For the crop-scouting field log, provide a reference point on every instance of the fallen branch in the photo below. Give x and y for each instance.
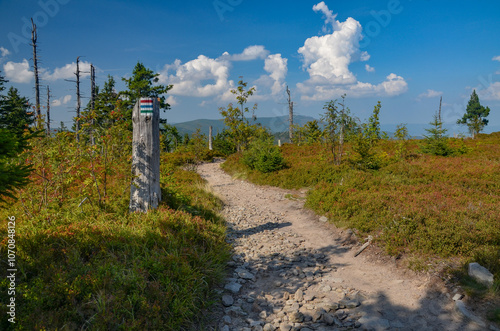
(366, 244)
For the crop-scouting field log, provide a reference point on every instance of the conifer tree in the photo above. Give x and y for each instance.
(436, 142)
(142, 84)
(475, 115)
(14, 121)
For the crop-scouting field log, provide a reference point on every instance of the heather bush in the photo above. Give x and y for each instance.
(85, 262)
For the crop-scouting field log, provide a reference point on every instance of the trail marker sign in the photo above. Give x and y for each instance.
(145, 192)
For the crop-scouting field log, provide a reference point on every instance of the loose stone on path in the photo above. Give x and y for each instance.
(279, 280)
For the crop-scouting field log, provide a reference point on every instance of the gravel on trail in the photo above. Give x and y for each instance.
(292, 270)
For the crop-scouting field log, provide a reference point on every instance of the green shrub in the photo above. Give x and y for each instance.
(263, 156)
(89, 263)
(223, 143)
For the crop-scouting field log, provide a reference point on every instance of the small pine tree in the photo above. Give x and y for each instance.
(475, 115)
(364, 141)
(436, 143)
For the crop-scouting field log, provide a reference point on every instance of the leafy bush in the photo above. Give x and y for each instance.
(223, 143)
(84, 262)
(428, 205)
(263, 156)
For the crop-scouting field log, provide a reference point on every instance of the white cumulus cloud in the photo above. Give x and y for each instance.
(61, 101)
(327, 58)
(369, 69)
(4, 52)
(250, 53)
(429, 94)
(393, 85)
(67, 72)
(171, 100)
(276, 66)
(18, 72)
(491, 93)
(201, 77)
(496, 58)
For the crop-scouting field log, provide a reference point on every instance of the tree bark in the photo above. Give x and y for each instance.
(210, 147)
(34, 37)
(290, 116)
(145, 192)
(78, 99)
(48, 111)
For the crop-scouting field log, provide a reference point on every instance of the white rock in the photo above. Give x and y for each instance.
(481, 274)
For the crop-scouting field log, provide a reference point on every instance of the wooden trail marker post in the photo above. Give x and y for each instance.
(145, 190)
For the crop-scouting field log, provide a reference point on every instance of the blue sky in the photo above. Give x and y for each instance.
(404, 53)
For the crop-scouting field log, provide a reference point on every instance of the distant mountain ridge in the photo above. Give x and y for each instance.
(280, 124)
(274, 124)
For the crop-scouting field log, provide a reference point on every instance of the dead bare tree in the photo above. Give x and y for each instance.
(34, 37)
(92, 101)
(48, 110)
(290, 115)
(78, 99)
(440, 103)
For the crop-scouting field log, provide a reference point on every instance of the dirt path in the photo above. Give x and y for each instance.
(294, 272)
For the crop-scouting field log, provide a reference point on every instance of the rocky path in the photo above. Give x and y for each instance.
(291, 271)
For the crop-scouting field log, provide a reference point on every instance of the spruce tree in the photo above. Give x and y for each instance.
(14, 122)
(15, 113)
(436, 142)
(475, 115)
(142, 84)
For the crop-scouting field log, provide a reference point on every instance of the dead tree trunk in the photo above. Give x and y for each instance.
(78, 99)
(92, 103)
(290, 115)
(34, 37)
(145, 190)
(48, 111)
(439, 114)
(210, 147)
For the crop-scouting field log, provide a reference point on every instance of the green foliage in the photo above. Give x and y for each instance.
(475, 115)
(263, 155)
(85, 262)
(142, 84)
(402, 137)
(339, 126)
(373, 128)
(436, 143)
(309, 134)
(105, 109)
(198, 145)
(15, 122)
(364, 142)
(223, 143)
(15, 113)
(425, 206)
(234, 117)
(14, 172)
(170, 137)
